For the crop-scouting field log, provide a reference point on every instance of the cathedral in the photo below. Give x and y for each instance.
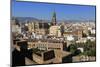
(53, 22)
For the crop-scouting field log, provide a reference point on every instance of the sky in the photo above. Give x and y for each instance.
(45, 10)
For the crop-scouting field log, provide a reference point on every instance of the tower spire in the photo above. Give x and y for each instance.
(53, 22)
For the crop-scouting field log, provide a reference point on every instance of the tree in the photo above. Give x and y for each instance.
(17, 22)
(84, 35)
(89, 32)
(77, 52)
(73, 48)
(91, 52)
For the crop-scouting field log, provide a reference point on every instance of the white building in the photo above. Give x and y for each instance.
(91, 38)
(16, 29)
(70, 38)
(92, 31)
(82, 40)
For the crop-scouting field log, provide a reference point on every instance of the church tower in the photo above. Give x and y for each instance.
(53, 22)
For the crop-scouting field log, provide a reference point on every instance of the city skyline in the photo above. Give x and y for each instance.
(36, 41)
(45, 10)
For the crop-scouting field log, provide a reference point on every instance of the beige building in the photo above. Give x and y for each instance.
(15, 27)
(83, 58)
(40, 28)
(46, 45)
(55, 31)
(41, 31)
(76, 33)
(31, 26)
(85, 30)
(51, 56)
(44, 57)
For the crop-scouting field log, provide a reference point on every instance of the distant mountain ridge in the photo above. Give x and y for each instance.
(24, 19)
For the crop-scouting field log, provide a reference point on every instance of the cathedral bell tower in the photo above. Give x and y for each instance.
(53, 22)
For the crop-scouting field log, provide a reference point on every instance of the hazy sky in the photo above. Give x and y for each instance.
(45, 10)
